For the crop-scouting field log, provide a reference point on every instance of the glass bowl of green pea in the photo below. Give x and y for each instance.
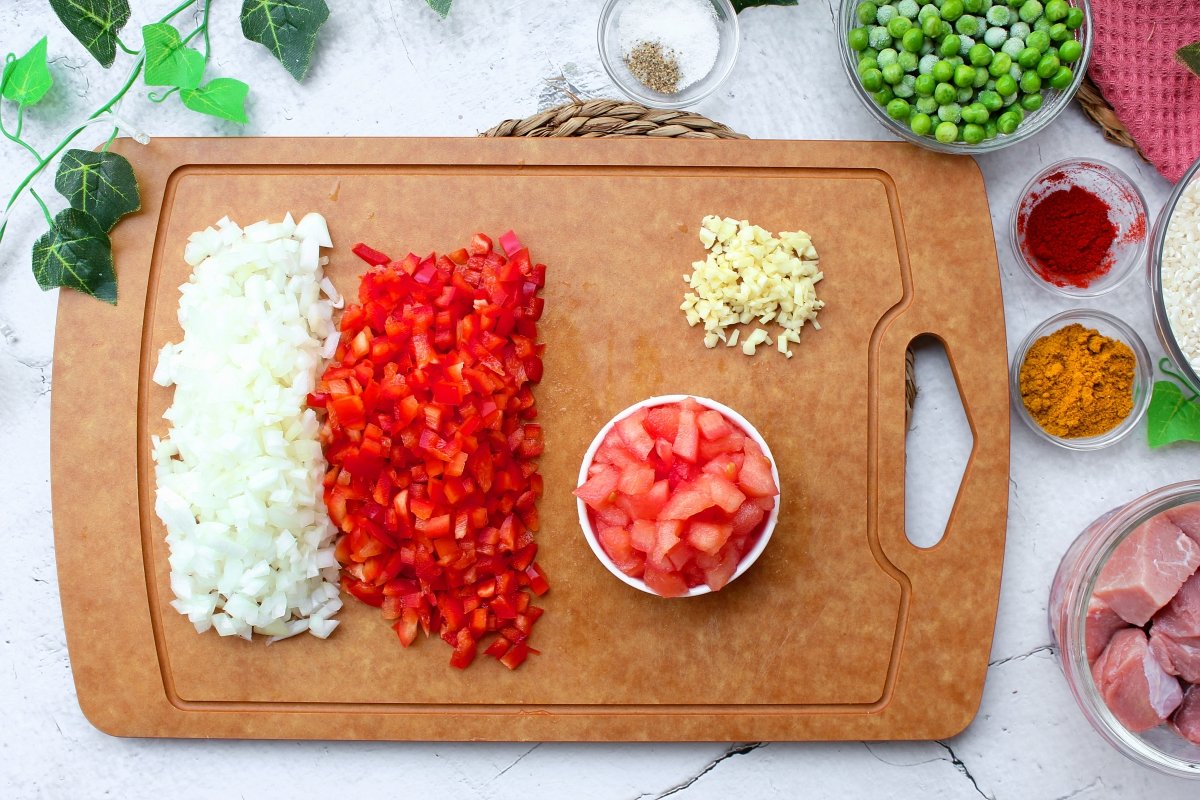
(965, 76)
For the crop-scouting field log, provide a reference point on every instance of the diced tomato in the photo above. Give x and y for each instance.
(755, 477)
(747, 517)
(665, 584)
(636, 479)
(431, 441)
(662, 422)
(598, 489)
(687, 440)
(713, 426)
(723, 492)
(708, 537)
(688, 500)
(643, 535)
(634, 434)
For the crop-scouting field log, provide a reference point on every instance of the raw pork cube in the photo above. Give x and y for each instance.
(1186, 721)
(1175, 635)
(1136, 689)
(1147, 569)
(1187, 518)
(1102, 623)
(1178, 656)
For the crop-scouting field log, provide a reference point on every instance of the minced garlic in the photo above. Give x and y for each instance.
(752, 275)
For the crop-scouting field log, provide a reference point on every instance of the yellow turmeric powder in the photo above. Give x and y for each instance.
(1077, 383)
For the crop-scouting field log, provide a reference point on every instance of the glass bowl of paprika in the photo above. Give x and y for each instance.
(1079, 227)
(1074, 351)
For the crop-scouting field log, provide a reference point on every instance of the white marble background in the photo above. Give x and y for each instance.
(391, 67)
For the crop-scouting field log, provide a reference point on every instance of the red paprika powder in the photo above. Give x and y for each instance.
(1070, 237)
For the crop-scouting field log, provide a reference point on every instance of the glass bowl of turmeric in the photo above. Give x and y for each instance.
(1082, 379)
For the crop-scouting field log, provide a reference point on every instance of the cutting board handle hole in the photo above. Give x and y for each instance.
(937, 447)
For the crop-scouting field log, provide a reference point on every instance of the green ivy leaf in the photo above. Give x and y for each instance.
(76, 253)
(741, 5)
(288, 28)
(220, 97)
(1189, 56)
(442, 7)
(27, 79)
(95, 23)
(169, 62)
(1172, 417)
(99, 184)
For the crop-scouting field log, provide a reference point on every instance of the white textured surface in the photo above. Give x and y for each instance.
(393, 68)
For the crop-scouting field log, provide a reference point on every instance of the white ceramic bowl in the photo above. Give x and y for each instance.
(589, 531)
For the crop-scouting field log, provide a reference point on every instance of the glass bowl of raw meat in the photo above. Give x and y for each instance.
(1125, 615)
(678, 495)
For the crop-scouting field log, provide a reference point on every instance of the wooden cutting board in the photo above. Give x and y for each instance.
(842, 630)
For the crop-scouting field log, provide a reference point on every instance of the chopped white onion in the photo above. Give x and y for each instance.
(240, 473)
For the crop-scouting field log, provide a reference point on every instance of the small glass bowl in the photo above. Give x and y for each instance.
(1110, 326)
(1072, 588)
(1056, 100)
(589, 531)
(1161, 322)
(609, 40)
(1127, 211)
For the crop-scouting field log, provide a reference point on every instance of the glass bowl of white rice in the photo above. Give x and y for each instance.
(1175, 276)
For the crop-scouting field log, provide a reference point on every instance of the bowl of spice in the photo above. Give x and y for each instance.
(1082, 379)
(1079, 227)
(668, 53)
(965, 76)
(1175, 276)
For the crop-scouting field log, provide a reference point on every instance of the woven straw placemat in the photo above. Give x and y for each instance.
(612, 118)
(1100, 112)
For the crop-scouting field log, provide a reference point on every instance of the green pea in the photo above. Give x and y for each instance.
(990, 130)
(885, 14)
(884, 96)
(965, 95)
(975, 112)
(1005, 85)
(1031, 10)
(912, 39)
(1047, 66)
(920, 124)
(1029, 58)
(1062, 78)
(898, 109)
(949, 44)
(973, 6)
(1020, 112)
(932, 27)
(887, 56)
(1008, 122)
(981, 78)
(1074, 18)
(905, 88)
(943, 72)
(1042, 24)
(944, 94)
(1030, 82)
(991, 100)
(926, 12)
(963, 76)
(952, 10)
(870, 52)
(980, 55)
(865, 63)
(1040, 40)
(894, 73)
(1031, 102)
(927, 105)
(879, 37)
(1057, 9)
(1070, 51)
(946, 132)
(967, 25)
(898, 26)
(1001, 64)
(972, 133)
(1014, 3)
(908, 61)
(950, 113)
(1059, 32)
(872, 79)
(857, 39)
(866, 12)
(925, 85)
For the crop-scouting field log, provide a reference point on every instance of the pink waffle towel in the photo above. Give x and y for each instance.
(1133, 64)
